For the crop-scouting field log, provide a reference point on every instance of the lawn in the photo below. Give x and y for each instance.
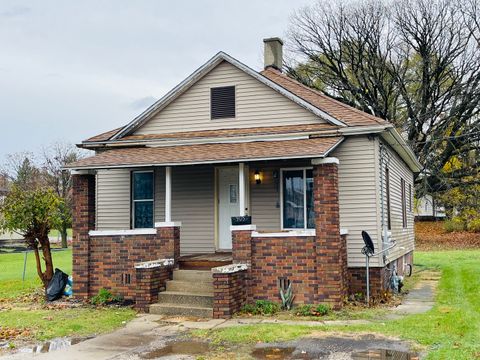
(11, 269)
(43, 322)
(451, 330)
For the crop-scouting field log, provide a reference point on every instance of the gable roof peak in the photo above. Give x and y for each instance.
(200, 73)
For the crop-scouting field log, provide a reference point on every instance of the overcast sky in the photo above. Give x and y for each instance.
(73, 69)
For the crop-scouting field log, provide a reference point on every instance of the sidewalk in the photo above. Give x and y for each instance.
(155, 331)
(137, 333)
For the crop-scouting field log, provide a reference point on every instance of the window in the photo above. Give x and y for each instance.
(297, 199)
(404, 203)
(222, 102)
(142, 196)
(410, 198)
(387, 186)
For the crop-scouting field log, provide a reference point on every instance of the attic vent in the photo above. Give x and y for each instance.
(222, 102)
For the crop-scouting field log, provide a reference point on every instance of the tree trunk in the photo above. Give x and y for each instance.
(39, 265)
(64, 234)
(47, 257)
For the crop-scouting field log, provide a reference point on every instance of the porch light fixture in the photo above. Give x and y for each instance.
(258, 178)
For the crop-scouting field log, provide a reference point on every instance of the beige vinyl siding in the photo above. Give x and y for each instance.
(403, 236)
(256, 105)
(265, 200)
(193, 204)
(159, 194)
(113, 199)
(357, 193)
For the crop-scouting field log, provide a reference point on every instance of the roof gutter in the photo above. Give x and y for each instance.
(226, 161)
(396, 141)
(347, 131)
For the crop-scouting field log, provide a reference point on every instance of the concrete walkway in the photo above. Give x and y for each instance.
(139, 332)
(420, 299)
(148, 332)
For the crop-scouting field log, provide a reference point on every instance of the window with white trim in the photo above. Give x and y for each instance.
(142, 199)
(297, 199)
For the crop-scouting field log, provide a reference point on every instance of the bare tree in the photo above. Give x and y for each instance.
(55, 157)
(413, 62)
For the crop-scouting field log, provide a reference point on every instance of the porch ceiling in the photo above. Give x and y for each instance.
(209, 153)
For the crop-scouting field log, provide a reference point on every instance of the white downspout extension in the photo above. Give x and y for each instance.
(168, 194)
(241, 188)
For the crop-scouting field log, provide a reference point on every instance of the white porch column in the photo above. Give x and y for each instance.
(168, 194)
(241, 187)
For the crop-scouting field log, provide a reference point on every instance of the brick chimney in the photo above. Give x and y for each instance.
(273, 53)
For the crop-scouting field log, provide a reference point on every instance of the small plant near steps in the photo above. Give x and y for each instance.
(189, 293)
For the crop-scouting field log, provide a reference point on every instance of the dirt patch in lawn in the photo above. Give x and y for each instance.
(430, 235)
(9, 333)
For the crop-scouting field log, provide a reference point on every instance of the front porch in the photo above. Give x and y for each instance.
(297, 239)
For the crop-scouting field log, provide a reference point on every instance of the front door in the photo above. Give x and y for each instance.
(228, 204)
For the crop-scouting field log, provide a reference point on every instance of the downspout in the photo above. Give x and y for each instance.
(384, 161)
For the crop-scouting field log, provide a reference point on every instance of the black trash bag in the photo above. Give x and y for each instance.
(56, 286)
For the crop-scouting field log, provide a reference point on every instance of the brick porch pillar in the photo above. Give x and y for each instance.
(83, 195)
(331, 247)
(242, 251)
(169, 235)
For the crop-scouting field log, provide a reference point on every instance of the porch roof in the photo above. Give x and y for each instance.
(209, 153)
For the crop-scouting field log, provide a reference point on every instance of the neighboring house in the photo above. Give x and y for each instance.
(427, 209)
(229, 141)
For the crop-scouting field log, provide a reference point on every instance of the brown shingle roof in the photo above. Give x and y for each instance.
(205, 153)
(343, 112)
(272, 130)
(103, 136)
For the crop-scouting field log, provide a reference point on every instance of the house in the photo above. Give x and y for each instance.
(300, 173)
(3, 187)
(427, 209)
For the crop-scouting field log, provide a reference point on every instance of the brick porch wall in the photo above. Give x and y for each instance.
(290, 257)
(113, 259)
(108, 261)
(229, 293)
(315, 265)
(150, 281)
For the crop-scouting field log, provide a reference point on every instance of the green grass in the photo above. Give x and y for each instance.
(11, 269)
(451, 330)
(48, 324)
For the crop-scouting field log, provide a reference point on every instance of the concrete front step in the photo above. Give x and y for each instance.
(182, 298)
(191, 287)
(193, 275)
(181, 310)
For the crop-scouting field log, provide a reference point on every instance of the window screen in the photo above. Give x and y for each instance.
(222, 102)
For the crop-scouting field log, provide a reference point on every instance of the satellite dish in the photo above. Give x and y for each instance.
(368, 243)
